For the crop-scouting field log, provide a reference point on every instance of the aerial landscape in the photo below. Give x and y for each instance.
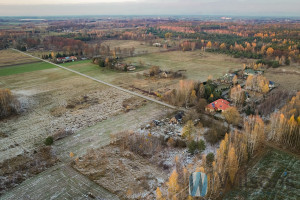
(136, 99)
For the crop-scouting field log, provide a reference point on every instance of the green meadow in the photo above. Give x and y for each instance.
(19, 69)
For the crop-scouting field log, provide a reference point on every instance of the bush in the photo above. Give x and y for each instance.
(210, 159)
(201, 104)
(196, 146)
(143, 145)
(49, 141)
(8, 103)
(215, 134)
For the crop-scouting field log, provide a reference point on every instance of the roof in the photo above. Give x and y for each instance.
(220, 104)
(249, 71)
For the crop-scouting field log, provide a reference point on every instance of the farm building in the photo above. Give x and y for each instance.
(218, 105)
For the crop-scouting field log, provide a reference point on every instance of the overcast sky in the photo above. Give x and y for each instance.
(150, 7)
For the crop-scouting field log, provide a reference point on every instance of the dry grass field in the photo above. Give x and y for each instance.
(10, 57)
(199, 64)
(58, 182)
(55, 99)
(46, 94)
(140, 47)
(287, 77)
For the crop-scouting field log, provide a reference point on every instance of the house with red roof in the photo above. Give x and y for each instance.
(218, 105)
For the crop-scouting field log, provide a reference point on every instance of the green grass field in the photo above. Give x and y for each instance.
(19, 69)
(275, 176)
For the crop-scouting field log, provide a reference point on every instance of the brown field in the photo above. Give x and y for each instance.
(46, 95)
(10, 57)
(199, 64)
(58, 182)
(287, 77)
(55, 99)
(140, 47)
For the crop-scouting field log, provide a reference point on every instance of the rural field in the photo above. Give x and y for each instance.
(53, 99)
(140, 47)
(275, 176)
(287, 77)
(199, 64)
(10, 58)
(58, 182)
(22, 68)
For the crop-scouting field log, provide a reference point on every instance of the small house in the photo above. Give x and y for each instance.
(248, 72)
(73, 58)
(218, 105)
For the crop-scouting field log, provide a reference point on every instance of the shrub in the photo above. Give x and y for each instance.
(201, 104)
(143, 145)
(8, 103)
(196, 146)
(190, 115)
(154, 70)
(49, 141)
(180, 143)
(215, 134)
(210, 159)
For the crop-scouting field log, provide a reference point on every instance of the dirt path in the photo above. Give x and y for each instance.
(108, 84)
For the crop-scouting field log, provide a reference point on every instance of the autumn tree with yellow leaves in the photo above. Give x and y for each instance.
(270, 51)
(257, 83)
(209, 44)
(233, 164)
(237, 96)
(232, 115)
(173, 186)
(254, 130)
(284, 127)
(188, 130)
